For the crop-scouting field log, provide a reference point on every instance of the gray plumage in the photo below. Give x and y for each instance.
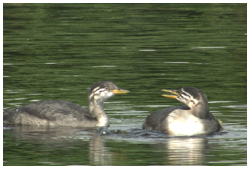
(64, 113)
(193, 119)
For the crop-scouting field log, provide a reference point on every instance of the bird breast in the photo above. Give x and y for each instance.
(184, 124)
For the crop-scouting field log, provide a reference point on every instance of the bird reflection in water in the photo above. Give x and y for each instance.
(99, 154)
(186, 151)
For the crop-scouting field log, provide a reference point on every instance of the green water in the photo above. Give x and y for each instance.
(58, 51)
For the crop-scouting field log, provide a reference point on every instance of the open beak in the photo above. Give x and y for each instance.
(170, 91)
(120, 91)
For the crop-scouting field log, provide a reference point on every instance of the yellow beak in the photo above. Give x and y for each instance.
(120, 91)
(170, 96)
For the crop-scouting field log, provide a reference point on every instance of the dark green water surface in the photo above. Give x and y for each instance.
(58, 51)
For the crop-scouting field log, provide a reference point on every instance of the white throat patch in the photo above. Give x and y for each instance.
(102, 121)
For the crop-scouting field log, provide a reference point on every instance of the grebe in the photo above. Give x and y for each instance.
(64, 113)
(193, 119)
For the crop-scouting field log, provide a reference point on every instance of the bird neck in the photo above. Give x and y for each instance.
(201, 110)
(96, 110)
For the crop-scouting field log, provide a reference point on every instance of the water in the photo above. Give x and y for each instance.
(57, 51)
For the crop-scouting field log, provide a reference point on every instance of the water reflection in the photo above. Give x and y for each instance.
(145, 47)
(170, 150)
(186, 151)
(44, 134)
(93, 147)
(64, 137)
(98, 153)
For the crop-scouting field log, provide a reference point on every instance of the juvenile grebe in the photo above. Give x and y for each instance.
(193, 119)
(63, 113)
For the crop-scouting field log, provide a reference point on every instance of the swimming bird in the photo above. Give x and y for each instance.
(192, 119)
(64, 113)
